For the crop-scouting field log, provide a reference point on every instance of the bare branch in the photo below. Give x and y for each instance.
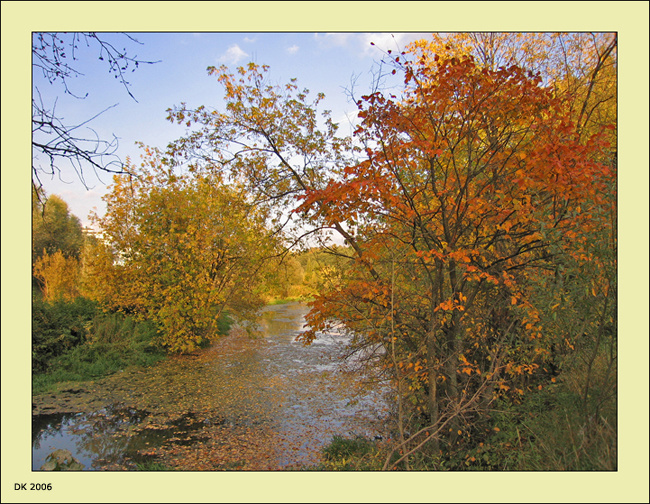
(56, 55)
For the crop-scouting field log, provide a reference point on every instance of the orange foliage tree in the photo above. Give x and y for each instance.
(473, 189)
(580, 69)
(473, 183)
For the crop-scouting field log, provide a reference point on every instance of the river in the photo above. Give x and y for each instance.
(264, 403)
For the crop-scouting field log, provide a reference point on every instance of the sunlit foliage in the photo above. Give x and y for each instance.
(478, 186)
(58, 276)
(184, 248)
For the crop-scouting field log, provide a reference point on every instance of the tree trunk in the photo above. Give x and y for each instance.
(432, 405)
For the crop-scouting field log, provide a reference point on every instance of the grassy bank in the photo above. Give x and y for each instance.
(551, 430)
(76, 341)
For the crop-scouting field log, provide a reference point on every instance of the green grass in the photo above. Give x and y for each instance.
(76, 341)
(351, 454)
(92, 361)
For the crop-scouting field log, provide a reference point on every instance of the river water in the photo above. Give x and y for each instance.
(264, 403)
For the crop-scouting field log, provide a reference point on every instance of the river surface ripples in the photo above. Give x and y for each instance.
(264, 403)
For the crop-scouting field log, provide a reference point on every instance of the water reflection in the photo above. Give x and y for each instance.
(241, 394)
(94, 439)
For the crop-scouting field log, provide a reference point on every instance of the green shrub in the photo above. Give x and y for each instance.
(58, 327)
(547, 431)
(351, 454)
(103, 343)
(571, 435)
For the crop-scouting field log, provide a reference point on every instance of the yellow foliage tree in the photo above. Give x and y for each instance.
(96, 263)
(57, 275)
(179, 249)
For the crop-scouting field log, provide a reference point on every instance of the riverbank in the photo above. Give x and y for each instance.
(165, 414)
(266, 403)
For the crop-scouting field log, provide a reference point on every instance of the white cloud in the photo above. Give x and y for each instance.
(382, 42)
(362, 41)
(233, 55)
(332, 39)
(249, 40)
(293, 49)
(387, 41)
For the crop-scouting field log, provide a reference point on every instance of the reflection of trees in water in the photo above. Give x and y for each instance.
(103, 435)
(282, 319)
(44, 426)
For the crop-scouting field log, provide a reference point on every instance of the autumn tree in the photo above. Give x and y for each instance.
(474, 182)
(57, 275)
(466, 192)
(284, 278)
(179, 249)
(580, 69)
(271, 138)
(57, 242)
(54, 227)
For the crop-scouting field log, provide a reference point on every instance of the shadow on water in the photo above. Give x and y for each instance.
(244, 401)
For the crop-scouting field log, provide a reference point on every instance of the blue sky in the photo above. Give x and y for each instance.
(322, 62)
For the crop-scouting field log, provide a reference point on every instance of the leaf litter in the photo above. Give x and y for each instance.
(255, 404)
